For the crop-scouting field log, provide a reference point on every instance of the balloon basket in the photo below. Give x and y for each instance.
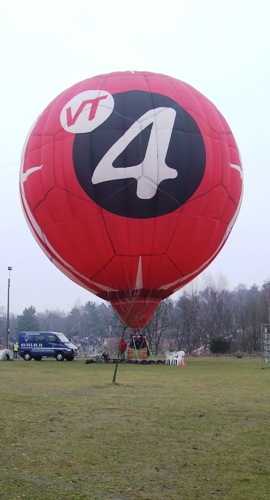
(136, 353)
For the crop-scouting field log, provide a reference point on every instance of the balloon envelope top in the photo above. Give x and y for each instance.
(131, 183)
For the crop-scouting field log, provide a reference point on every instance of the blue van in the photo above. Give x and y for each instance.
(49, 344)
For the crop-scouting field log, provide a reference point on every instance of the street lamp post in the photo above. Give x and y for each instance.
(8, 294)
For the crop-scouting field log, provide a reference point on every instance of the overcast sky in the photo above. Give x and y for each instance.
(220, 48)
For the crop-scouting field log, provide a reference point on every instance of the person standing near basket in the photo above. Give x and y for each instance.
(122, 349)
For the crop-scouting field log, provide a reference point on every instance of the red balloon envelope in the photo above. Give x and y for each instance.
(131, 183)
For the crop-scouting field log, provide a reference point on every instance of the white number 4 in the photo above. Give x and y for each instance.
(153, 169)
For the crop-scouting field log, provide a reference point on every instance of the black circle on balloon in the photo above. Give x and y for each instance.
(185, 153)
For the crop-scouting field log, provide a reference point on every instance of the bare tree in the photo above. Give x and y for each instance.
(187, 322)
(158, 324)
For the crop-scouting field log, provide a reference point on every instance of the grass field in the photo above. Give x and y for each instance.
(162, 433)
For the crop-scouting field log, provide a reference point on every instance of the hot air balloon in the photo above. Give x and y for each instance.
(131, 183)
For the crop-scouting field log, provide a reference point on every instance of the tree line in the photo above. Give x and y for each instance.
(195, 320)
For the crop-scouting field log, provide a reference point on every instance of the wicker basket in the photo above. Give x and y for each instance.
(136, 353)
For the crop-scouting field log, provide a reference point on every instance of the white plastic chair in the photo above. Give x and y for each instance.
(169, 357)
(177, 359)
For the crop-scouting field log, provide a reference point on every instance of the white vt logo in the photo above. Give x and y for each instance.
(87, 110)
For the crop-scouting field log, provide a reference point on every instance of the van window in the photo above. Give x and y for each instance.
(53, 339)
(39, 338)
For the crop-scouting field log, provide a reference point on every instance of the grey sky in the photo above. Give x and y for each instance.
(220, 48)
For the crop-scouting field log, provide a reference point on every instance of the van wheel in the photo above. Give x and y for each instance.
(27, 356)
(60, 356)
(38, 358)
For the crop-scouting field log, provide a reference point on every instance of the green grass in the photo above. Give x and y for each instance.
(162, 433)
